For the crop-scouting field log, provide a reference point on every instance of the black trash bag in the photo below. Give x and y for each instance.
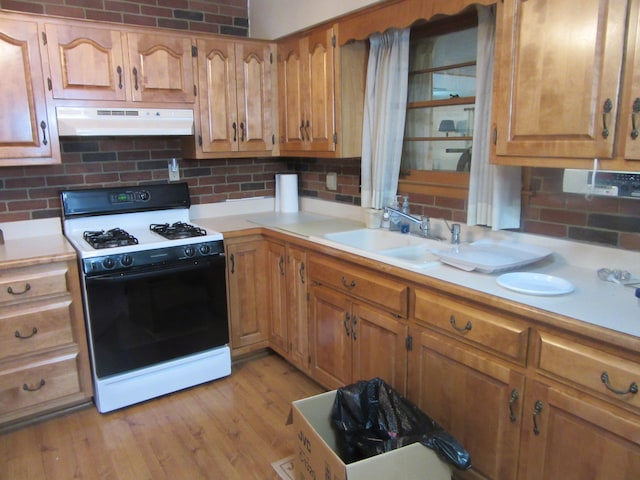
(372, 418)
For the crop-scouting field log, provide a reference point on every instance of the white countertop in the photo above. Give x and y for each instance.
(594, 301)
(29, 239)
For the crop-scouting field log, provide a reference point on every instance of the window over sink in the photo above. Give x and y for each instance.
(438, 135)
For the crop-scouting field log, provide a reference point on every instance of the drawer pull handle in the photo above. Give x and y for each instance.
(512, 401)
(27, 388)
(536, 411)
(301, 271)
(633, 388)
(634, 126)
(24, 337)
(347, 323)
(354, 324)
(466, 328)
(281, 265)
(232, 259)
(348, 285)
(606, 111)
(10, 291)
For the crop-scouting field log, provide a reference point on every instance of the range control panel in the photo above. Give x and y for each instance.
(607, 183)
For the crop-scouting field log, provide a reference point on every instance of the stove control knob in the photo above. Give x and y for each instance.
(126, 260)
(205, 249)
(189, 251)
(108, 262)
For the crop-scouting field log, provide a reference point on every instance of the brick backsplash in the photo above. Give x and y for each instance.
(229, 17)
(34, 191)
(604, 220)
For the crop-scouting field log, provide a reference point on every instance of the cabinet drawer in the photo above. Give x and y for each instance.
(362, 283)
(601, 372)
(20, 284)
(41, 381)
(35, 326)
(505, 336)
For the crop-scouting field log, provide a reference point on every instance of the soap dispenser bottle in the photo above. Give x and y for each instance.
(404, 224)
(394, 225)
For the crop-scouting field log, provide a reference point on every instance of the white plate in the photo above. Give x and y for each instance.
(535, 283)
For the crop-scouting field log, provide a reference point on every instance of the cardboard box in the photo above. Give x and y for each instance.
(316, 457)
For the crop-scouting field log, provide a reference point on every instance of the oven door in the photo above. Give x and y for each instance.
(151, 316)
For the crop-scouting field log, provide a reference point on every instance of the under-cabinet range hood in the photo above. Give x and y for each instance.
(92, 121)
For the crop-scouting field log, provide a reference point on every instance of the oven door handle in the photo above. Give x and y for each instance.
(157, 270)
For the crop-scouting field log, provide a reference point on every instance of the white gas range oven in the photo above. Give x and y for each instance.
(154, 291)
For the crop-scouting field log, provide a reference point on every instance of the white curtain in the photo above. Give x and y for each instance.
(494, 190)
(384, 116)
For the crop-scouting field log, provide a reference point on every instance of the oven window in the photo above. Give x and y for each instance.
(147, 318)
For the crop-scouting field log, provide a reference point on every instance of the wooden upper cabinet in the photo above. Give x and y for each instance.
(254, 96)
(235, 97)
(558, 71)
(161, 68)
(292, 108)
(86, 63)
(320, 118)
(307, 93)
(630, 106)
(93, 63)
(27, 136)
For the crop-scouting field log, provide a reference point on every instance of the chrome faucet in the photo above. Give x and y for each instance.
(421, 221)
(454, 228)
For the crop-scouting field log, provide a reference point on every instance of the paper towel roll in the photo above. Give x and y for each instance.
(286, 192)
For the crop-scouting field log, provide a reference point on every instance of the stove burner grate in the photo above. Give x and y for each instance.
(177, 230)
(116, 237)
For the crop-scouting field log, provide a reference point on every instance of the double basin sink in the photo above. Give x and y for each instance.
(403, 249)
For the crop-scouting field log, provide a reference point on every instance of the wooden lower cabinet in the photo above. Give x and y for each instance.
(288, 320)
(526, 400)
(474, 397)
(247, 293)
(568, 436)
(44, 361)
(352, 341)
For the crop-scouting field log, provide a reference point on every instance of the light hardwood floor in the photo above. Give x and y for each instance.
(232, 428)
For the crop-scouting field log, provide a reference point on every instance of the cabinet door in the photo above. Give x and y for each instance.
(630, 107)
(253, 74)
(298, 327)
(379, 347)
(557, 91)
(320, 117)
(476, 399)
(86, 63)
(277, 285)
(568, 437)
(161, 68)
(331, 337)
(247, 294)
(291, 91)
(217, 95)
(26, 135)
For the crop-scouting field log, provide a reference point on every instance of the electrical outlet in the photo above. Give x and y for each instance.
(174, 170)
(332, 181)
